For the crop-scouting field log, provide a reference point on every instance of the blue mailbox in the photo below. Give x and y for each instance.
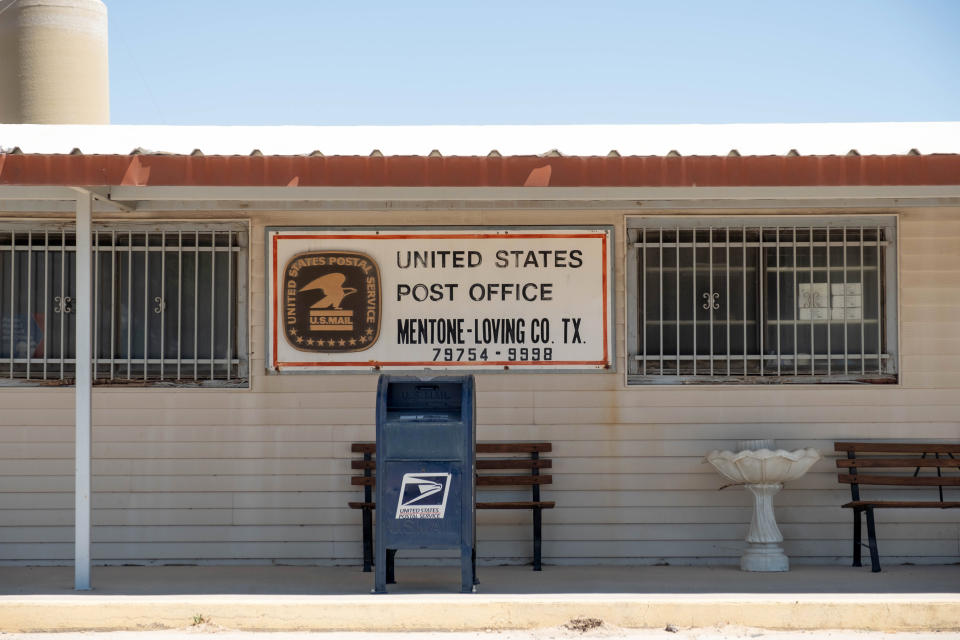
(425, 470)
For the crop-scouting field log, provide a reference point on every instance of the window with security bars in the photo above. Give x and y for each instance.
(785, 300)
(169, 303)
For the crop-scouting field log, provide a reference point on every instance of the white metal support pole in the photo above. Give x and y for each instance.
(84, 308)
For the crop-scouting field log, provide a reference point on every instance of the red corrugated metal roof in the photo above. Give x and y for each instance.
(473, 171)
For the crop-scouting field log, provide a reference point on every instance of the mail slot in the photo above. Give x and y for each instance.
(425, 469)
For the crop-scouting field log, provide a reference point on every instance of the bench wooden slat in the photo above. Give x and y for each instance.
(496, 481)
(901, 504)
(482, 447)
(481, 464)
(482, 481)
(898, 462)
(862, 478)
(514, 464)
(896, 447)
(543, 504)
(514, 447)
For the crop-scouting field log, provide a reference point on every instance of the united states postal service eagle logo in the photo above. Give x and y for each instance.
(331, 301)
(423, 496)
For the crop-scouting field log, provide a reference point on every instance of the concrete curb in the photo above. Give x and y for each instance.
(87, 612)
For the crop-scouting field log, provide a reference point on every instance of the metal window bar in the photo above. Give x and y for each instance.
(796, 305)
(846, 361)
(727, 305)
(743, 239)
(710, 295)
(778, 277)
(37, 299)
(63, 297)
(694, 296)
(229, 306)
(816, 354)
(660, 332)
(813, 339)
(13, 291)
(162, 302)
(96, 300)
(213, 299)
(129, 304)
(677, 252)
(29, 314)
(146, 303)
(46, 298)
(761, 285)
(879, 302)
(196, 298)
(643, 300)
(843, 311)
(179, 300)
(113, 301)
(863, 333)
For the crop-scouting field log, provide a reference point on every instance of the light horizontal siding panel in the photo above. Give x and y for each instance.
(931, 313)
(939, 379)
(911, 244)
(195, 551)
(734, 415)
(929, 331)
(773, 396)
(948, 294)
(705, 436)
(178, 450)
(943, 260)
(937, 365)
(913, 228)
(667, 533)
(922, 345)
(186, 400)
(175, 467)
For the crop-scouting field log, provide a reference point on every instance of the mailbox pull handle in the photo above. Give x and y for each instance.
(427, 387)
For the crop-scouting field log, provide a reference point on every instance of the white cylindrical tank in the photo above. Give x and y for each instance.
(53, 62)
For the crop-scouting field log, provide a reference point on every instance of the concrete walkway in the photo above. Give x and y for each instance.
(901, 598)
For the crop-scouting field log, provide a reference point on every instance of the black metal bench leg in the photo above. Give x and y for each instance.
(872, 538)
(537, 515)
(367, 540)
(391, 555)
(537, 539)
(367, 516)
(474, 561)
(857, 539)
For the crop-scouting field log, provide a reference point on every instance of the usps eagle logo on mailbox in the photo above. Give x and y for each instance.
(423, 496)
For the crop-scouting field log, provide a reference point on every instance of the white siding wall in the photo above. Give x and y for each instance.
(263, 474)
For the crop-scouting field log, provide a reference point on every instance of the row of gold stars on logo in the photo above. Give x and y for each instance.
(331, 343)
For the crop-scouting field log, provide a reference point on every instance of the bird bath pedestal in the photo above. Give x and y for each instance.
(763, 470)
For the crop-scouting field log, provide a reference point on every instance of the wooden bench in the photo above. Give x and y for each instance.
(500, 456)
(893, 464)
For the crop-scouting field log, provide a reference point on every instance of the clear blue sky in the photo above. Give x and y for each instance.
(318, 62)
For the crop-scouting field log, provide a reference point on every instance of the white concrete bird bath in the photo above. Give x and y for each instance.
(763, 470)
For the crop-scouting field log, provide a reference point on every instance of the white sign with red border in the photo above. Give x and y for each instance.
(430, 299)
